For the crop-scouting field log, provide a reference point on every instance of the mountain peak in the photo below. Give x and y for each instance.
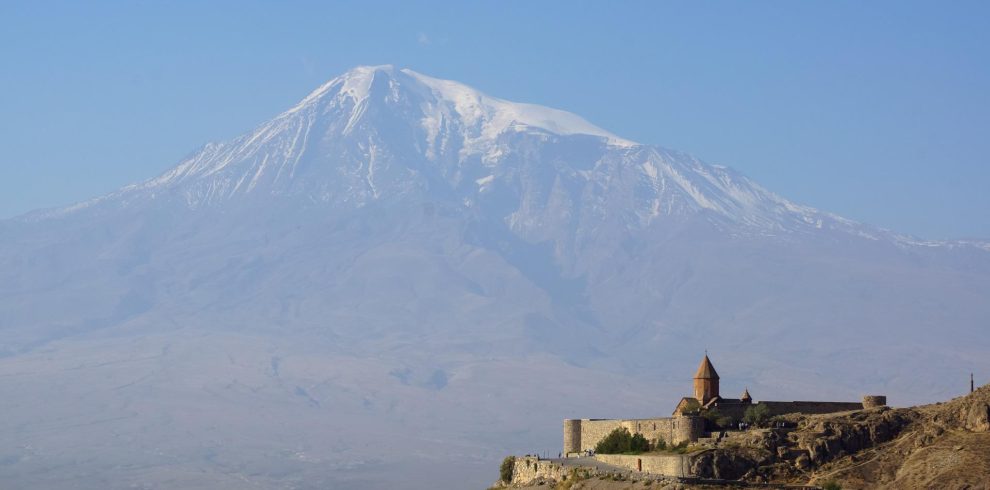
(443, 101)
(355, 82)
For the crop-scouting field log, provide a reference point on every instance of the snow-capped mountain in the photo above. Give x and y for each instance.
(378, 133)
(371, 273)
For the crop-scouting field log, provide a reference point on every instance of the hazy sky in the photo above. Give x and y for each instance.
(878, 111)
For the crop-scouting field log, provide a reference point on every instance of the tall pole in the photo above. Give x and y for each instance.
(971, 382)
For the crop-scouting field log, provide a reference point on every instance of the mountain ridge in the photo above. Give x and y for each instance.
(478, 121)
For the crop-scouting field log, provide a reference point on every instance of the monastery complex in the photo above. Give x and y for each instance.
(688, 422)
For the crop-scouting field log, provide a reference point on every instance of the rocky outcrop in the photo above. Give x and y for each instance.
(825, 439)
(978, 417)
(733, 464)
(932, 446)
(943, 445)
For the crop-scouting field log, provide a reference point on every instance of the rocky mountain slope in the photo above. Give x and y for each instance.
(943, 445)
(405, 269)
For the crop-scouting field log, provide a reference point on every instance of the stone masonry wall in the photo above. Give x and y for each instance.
(529, 468)
(779, 408)
(672, 430)
(737, 410)
(658, 464)
(593, 431)
(874, 401)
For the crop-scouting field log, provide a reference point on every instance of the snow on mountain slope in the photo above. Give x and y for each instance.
(377, 132)
(445, 110)
(486, 117)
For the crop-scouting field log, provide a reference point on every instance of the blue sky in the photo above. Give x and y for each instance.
(878, 111)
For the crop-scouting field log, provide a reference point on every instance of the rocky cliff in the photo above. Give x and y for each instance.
(944, 445)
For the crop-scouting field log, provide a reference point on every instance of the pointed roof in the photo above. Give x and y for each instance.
(745, 395)
(706, 370)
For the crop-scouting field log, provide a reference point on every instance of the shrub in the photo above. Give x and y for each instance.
(831, 485)
(575, 476)
(660, 444)
(757, 414)
(621, 441)
(505, 471)
(639, 444)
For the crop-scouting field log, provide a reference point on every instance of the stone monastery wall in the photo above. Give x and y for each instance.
(678, 465)
(779, 408)
(584, 434)
(736, 411)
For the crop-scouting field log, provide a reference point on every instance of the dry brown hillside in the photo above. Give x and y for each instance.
(939, 446)
(943, 446)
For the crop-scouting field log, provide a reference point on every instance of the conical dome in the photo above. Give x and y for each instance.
(745, 396)
(706, 381)
(706, 370)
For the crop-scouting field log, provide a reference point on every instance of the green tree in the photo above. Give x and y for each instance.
(639, 444)
(621, 441)
(757, 414)
(505, 471)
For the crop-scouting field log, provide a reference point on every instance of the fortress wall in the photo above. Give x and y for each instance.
(874, 401)
(687, 429)
(779, 408)
(658, 464)
(572, 436)
(734, 411)
(737, 410)
(593, 431)
(529, 468)
(671, 430)
(651, 429)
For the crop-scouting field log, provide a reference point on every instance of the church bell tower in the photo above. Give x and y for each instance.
(705, 382)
